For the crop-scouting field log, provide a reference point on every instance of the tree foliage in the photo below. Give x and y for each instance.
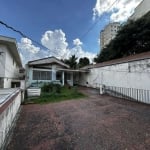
(132, 38)
(72, 62)
(83, 62)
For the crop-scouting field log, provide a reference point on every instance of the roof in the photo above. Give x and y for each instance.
(72, 70)
(45, 61)
(136, 57)
(12, 47)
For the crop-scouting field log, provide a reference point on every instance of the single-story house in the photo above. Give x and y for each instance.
(10, 63)
(50, 69)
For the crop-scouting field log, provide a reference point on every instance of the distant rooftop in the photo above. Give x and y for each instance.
(141, 56)
(48, 60)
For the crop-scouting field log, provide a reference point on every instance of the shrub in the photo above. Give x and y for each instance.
(51, 88)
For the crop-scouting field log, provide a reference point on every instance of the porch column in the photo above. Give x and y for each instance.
(30, 76)
(71, 78)
(53, 73)
(63, 78)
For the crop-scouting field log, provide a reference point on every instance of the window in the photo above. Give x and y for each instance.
(58, 75)
(42, 75)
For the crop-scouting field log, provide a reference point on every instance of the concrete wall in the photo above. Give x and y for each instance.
(7, 116)
(141, 9)
(129, 75)
(2, 60)
(9, 69)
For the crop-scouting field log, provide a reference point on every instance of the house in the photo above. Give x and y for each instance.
(10, 63)
(48, 70)
(10, 79)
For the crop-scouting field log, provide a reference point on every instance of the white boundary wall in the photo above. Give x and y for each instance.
(135, 74)
(7, 117)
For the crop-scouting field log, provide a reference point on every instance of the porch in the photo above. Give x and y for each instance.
(39, 76)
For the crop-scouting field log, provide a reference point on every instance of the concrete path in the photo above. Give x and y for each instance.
(94, 123)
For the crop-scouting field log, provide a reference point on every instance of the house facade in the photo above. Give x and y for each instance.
(47, 70)
(10, 63)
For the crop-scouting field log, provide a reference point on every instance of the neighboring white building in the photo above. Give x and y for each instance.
(48, 70)
(141, 10)
(10, 63)
(108, 33)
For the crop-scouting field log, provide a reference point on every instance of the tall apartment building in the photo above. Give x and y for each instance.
(108, 33)
(141, 10)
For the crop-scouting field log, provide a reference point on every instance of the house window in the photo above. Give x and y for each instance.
(58, 75)
(68, 76)
(42, 75)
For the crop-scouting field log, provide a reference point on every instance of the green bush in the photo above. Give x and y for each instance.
(51, 88)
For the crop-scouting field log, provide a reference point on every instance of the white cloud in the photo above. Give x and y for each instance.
(57, 46)
(77, 42)
(30, 52)
(55, 41)
(79, 52)
(121, 10)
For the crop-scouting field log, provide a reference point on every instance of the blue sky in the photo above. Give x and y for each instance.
(71, 17)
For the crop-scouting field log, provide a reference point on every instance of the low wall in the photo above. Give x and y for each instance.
(8, 113)
(135, 74)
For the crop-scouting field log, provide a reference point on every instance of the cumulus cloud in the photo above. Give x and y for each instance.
(80, 53)
(121, 10)
(57, 46)
(30, 52)
(77, 42)
(55, 41)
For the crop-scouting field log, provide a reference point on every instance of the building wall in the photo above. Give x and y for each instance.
(141, 9)
(108, 33)
(7, 117)
(9, 69)
(29, 74)
(134, 74)
(2, 60)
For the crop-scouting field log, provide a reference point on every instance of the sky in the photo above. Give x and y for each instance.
(63, 27)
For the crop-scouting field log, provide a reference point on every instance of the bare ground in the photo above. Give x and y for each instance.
(93, 123)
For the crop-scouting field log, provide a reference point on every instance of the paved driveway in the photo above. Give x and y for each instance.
(94, 123)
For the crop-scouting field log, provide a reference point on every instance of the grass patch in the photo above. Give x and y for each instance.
(64, 94)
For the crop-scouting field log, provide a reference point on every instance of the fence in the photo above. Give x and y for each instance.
(139, 95)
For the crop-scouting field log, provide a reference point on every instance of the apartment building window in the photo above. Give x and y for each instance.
(42, 75)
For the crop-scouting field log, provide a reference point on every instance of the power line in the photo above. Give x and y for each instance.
(90, 28)
(24, 35)
(34, 41)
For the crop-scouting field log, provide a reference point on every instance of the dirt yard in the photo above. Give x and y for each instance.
(93, 123)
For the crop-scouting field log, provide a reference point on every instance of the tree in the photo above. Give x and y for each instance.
(83, 62)
(72, 62)
(132, 38)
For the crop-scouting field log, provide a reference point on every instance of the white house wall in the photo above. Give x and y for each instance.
(9, 69)
(12, 69)
(7, 117)
(2, 60)
(129, 75)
